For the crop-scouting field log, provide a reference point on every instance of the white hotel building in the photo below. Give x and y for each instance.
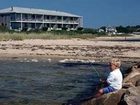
(17, 18)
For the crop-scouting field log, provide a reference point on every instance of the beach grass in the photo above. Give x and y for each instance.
(46, 35)
(12, 35)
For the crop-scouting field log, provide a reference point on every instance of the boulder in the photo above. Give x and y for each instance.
(106, 99)
(131, 79)
(132, 96)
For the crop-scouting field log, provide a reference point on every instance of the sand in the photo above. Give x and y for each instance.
(72, 48)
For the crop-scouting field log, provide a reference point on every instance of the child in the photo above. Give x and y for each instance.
(114, 80)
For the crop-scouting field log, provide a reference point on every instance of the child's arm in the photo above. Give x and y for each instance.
(110, 78)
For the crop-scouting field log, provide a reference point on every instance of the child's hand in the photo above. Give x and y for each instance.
(102, 80)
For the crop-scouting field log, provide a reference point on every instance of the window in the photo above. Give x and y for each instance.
(15, 25)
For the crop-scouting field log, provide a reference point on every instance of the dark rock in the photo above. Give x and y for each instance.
(132, 96)
(138, 65)
(138, 83)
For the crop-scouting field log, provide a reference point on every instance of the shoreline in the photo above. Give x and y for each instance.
(58, 57)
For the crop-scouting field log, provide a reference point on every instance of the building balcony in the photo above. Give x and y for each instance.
(30, 20)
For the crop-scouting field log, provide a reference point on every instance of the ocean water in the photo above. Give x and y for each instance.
(29, 82)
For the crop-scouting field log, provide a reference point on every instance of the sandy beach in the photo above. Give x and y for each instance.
(100, 48)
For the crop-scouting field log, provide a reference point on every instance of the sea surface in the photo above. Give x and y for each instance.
(45, 82)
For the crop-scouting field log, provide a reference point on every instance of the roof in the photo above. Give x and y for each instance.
(36, 11)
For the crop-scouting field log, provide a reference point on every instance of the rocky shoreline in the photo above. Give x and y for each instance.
(128, 95)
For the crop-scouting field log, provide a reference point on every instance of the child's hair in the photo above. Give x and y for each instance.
(116, 62)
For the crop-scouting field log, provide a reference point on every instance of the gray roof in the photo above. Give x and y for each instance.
(36, 11)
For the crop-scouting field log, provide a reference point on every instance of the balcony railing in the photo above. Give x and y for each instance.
(46, 20)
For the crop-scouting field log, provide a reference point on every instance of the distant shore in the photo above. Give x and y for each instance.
(99, 48)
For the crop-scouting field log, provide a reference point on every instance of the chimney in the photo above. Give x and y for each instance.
(12, 8)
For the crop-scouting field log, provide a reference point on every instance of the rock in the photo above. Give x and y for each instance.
(128, 85)
(106, 99)
(138, 83)
(129, 96)
(132, 96)
(133, 76)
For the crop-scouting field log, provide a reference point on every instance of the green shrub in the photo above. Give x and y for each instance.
(44, 28)
(90, 30)
(3, 29)
(80, 29)
(64, 28)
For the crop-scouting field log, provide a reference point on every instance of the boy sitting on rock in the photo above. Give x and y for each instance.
(114, 80)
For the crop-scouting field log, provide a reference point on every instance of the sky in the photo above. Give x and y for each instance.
(96, 13)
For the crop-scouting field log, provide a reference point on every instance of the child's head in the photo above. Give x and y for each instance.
(115, 63)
